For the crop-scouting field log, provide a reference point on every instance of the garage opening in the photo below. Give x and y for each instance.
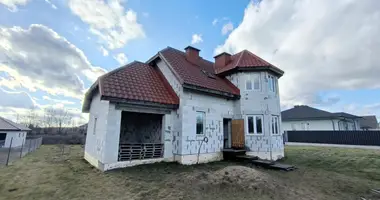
(140, 136)
(2, 139)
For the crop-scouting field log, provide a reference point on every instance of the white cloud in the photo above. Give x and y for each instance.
(39, 59)
(321, 45)
(51, 4)
(60, 101)
(110, 22)
(103, 50)
(12, 4)
(227, 28)
(196, 38)
(121, 58)
(215, 21)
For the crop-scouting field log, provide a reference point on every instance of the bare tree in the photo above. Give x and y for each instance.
(62, 118)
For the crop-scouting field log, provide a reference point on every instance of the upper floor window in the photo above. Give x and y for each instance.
(272, 83)
(200, 123)
(253, 82)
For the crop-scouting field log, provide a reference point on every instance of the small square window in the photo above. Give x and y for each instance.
(200, 123)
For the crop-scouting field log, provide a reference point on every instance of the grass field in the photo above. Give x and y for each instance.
(323, 173)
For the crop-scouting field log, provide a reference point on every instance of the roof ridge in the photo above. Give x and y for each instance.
(6, 120)
(254, 55)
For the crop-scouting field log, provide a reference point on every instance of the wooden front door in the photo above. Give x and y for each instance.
(238, 139)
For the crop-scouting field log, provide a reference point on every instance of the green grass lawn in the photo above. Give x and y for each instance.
(323, 173)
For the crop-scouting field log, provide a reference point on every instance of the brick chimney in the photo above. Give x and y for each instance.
(222, 60)
(192, 54)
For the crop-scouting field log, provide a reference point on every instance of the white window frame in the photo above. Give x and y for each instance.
(251, 78)
(203, 121)
(272, 83)
(253, 82)
(276, 120)
(246, 82)
(254, 125)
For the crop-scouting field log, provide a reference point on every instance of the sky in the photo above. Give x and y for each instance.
(51, 51)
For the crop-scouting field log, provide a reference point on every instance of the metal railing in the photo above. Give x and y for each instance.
(10, 153)
(139, 151)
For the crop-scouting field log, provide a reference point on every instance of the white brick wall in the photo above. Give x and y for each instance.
(17, 137)
(215, 108)
(262, 102)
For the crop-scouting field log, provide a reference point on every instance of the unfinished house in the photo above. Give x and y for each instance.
(179, 107)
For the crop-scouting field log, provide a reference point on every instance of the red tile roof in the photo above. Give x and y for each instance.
(136, 81)
(246, 59)
(191, 73)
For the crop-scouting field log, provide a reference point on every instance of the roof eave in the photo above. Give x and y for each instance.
(278, 72)
(139, 102)
(210, 91)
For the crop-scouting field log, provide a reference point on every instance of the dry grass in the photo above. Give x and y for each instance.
(324, 173)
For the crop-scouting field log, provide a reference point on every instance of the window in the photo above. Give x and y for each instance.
(272, 83)
(255, 124)
(95, 121)
(256, 82)
(253, 82)
(200, 122)
(248, 85)
(275, 125)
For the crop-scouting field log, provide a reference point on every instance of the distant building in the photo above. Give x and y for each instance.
(12, 134)
(307, 118)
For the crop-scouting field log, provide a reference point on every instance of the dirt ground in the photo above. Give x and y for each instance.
(47, 174)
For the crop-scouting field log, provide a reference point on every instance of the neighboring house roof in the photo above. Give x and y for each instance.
(8, 125)
(199, 74)
(368, 122)
(246, 60)
(305, 112)
(136, 82)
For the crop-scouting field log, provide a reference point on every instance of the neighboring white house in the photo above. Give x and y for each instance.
(307, 118)
(179, 107)
(12, 134)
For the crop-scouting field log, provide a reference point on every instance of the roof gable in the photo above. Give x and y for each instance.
(135, 82)
(8, 125)
(305, 112)
(246, 60)
(368, 122)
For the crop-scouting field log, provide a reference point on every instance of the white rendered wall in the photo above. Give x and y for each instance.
(175, 129)
(316, 125)
(95, 138)
(17, 137)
